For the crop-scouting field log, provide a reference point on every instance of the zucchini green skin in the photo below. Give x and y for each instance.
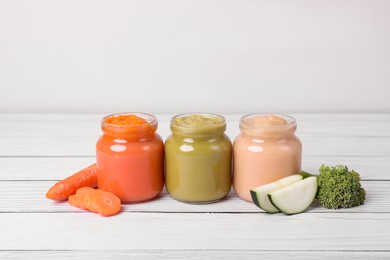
(259, 194)
(270, 199)
(254, 198)
(257, 203)
(305, 174)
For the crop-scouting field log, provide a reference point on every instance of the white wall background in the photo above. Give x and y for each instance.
(173, 56)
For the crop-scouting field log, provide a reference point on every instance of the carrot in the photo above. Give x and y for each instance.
(95, 200)
(63, 189)
(72, 199)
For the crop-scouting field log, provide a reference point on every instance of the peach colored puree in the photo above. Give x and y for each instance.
(130, 158)
(265, 151)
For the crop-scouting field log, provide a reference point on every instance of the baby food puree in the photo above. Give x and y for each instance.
(198, 158)
(266, 150)
(130, 157)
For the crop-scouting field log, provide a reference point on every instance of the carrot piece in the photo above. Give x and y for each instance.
(63, 189)
(103, 202)
(73, 201)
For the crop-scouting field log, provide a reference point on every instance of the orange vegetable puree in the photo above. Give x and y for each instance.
(125, 120)
(129, 157)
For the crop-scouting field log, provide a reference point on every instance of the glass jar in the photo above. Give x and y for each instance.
(266, 150)
(198, 158)
(130, 158)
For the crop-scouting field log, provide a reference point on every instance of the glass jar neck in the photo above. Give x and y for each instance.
(197, 136)
(145, 130)
(198, 126)
(251, 129)
(267, 136)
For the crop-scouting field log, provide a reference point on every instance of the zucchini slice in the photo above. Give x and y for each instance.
(296, 197)
(260, 194)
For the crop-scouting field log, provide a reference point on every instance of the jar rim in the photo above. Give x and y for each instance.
(246, 125)
(131, 131)
(203, 129)
(150, 120)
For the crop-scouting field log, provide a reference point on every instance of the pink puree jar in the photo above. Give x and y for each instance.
(266, 150)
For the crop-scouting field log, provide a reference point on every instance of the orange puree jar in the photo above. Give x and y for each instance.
(266, 150)
(130, 157)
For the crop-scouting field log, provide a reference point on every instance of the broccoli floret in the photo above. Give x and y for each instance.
(339, 188)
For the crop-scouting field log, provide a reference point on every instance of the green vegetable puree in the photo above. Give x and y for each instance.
(198, 158)
(198, 124)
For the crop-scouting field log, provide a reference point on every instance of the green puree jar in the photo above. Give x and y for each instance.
(198, 158)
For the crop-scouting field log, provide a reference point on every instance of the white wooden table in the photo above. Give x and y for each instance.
(38, 150)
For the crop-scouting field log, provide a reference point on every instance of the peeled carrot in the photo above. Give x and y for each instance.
(99, 201)
(73, 201)
(63, 189)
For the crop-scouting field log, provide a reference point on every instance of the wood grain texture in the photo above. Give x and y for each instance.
(192, 231)
(29, 196)
(193, 254)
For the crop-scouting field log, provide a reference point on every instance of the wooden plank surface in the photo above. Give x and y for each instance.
(193, 254)
(29, 197)
(37, 150)
(192, 231)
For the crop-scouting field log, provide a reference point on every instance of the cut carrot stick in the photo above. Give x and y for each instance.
(63, 189)
(95, 200)
(73, 201)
